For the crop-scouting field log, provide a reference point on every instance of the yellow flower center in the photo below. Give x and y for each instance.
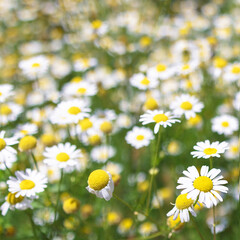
(160, 118)
(27, 143)
(106, 127)
(76, 79)
(35, 65)
(126, 224)
(27, 184)
(145, 81)
(225, 124)
(94, 139)
(182, 202)
(203, 184)
(74, 110)
(62, 157)
(234, 149)
(236, 69)
(14, 200)
(140, 137)
(48, 139)
(104, 154)
(151, 104)
(2, 144)
(98, 179)
(96, 24)
(82, 90)
(5, 109)
(161, 67)
(24, 132)
(219, 62)
(71, 205)
(186, 105)
(145, 41)
(185, 67)
(195, 120)
(85, 124)
(0, 94)
(210, 151)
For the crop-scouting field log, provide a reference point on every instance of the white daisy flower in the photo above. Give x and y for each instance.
(26, 129)
(27, 183)
(99, 27)
(159, 118)
(139, 137)
(225, 124)
(207, 149)
(102, 153)
(62, 155)
(34, 67)
(70, 112)
(205, 186)
(12, 202)
(82, 64)
(187, 105)
(9, 112)
(236, 101)
(142, 82)
(232, 72)
(85, 124)
(80, 89)
(161, 71)
(5, 144)
(101, 184)
(93, 137)
(7, 160)
(182, 207)
(6, 90)
(145, 229)
(234, 149)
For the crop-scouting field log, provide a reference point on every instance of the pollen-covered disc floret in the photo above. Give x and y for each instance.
(101, 184)
(159, 117)
(205, 185)
(27, 183)
(207, 149)
(183, 206)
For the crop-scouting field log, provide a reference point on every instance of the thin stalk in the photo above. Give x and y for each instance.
(33, 226)
(152, 175)
(214, 224)
(35, 161)
(123, 202)
(197, 229)
(8, 169)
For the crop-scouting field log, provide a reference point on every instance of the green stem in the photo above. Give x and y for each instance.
(197, 229)
(58, 196)
(10, 172)
(33, 226)
(214, 224)
(35, 161)
(152, 175)
(123, 202)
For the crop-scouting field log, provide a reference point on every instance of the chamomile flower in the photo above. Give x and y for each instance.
(232, 72)
(102, 153)
(100, 183)
(186, 68)
(34, 67)
(82, 64)
(207, 149)
(145, 229)
(205, 185)
(142, 82)
(26, 129)
(12, 202)
(9, 112)
(5, 144)
(234, 148)
(80, 89)
(6, 90)
(139, 137)
(62, 155)
(186, 105)
(161, 71)
(6, 160)
(159, 118)
(225, 124)
(27, 183)
(183, 205)
(70, 112)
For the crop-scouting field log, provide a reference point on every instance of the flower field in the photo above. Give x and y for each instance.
(119, 119)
